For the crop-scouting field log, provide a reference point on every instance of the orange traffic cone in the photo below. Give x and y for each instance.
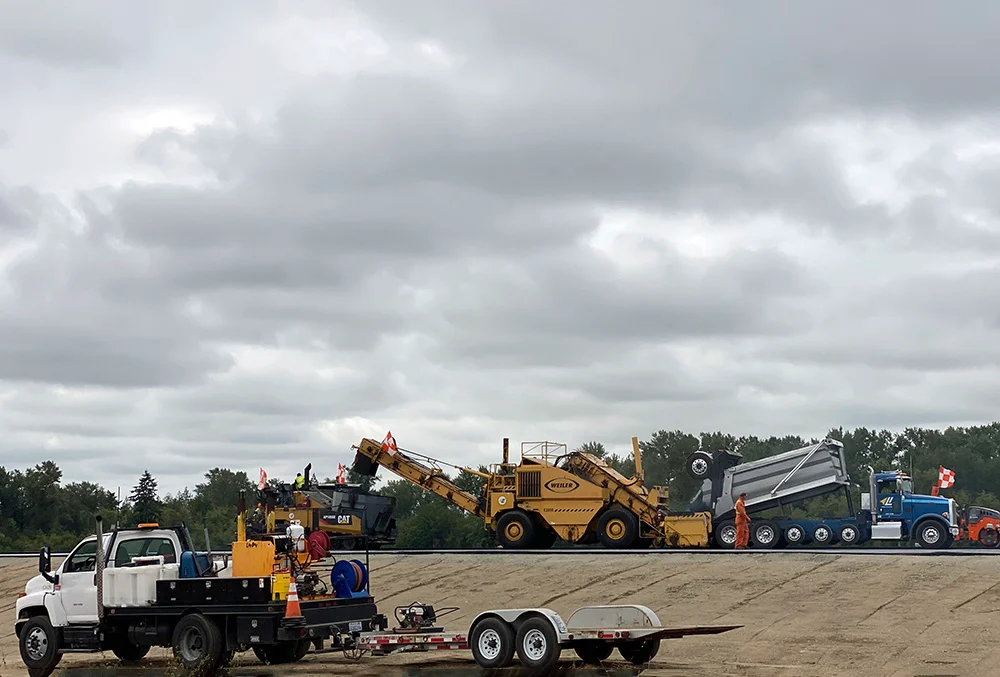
(292, 608)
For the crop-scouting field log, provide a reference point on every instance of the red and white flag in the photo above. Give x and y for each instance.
(263, 480)
(341, 474)
(389, 443)
(946, 478)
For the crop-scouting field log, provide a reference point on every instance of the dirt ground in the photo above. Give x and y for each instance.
(804, 615)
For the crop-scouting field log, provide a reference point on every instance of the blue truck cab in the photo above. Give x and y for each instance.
(896, 513)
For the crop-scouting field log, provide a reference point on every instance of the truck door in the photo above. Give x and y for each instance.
(890, 503)
(77, 587)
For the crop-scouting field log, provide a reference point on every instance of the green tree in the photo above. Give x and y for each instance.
(144, 500)
(594, 448)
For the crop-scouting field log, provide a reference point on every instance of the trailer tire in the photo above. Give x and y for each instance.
(515, 530)
(618, 528)
(198, 644)
(765, 534)
(39, 646)
(850, 534)
(725, 534)
(537, 645)
(592, 651)
(795, 535)
(492, 643)
(699, 465)
(641, 652)
(822, 535)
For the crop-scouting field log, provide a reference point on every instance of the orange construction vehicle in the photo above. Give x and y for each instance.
(980, 525)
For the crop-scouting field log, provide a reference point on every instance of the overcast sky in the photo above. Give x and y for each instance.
(248, 234)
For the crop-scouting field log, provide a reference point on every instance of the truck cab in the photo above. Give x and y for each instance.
(897, 513)
(68, 596)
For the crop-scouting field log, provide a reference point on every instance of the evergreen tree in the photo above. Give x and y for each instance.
(146, 504)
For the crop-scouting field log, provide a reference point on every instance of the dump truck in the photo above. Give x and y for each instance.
(890, 511)
(551, 494)
(336, 516)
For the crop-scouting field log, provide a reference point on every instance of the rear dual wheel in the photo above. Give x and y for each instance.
(640, 652)
(198, 644)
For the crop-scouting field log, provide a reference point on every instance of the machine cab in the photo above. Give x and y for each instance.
(889, 490)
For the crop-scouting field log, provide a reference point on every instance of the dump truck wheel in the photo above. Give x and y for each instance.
(639, 653)
(850, 534)
(725, 534)
(765, 534)
(537, 645)
(795, 534)
(822, 535)
(492, 643)
(515, 530)
(618, 528)
(699, 465)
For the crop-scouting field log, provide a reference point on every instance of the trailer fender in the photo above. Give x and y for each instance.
(613, 616)
(514, 618)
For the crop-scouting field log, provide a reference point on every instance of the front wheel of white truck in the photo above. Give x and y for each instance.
(39, 645)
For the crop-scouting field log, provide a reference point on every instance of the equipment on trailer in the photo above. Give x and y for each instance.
(537, 637)
(418, 617)
(551, 494)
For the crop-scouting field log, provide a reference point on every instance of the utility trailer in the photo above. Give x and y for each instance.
(890, 511)
(537, 636)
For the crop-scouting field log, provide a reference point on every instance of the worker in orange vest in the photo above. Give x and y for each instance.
(742, 523)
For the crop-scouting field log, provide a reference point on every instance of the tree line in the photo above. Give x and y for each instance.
(37, 508)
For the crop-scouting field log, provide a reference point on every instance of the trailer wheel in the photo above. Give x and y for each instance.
(592, 651)
(850, 534)
(537, 645)
(766, 534)
(725, 534)
(618, 528)
(198, 644)
(795, 534)
(639, 653)
(699, 465)
(515, 530)
(492, 643)
(39, 645)
(822, 535)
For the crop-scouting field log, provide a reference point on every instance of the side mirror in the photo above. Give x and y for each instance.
(45, 565)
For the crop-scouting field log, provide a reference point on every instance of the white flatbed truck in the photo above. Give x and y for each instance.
(537, 636)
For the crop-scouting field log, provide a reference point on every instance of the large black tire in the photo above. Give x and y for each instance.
(593, 651)
(725, 534)
(39, 645)
(932, 535)
(823, 535)
(537, 646)
(127, 651)
(849, 534)
(515, 530)
(198, 644)
(279, 654)
(765, 534)
(795, 535)
(699, 465)
(618, 528)
(492, 643)
(639, 653)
